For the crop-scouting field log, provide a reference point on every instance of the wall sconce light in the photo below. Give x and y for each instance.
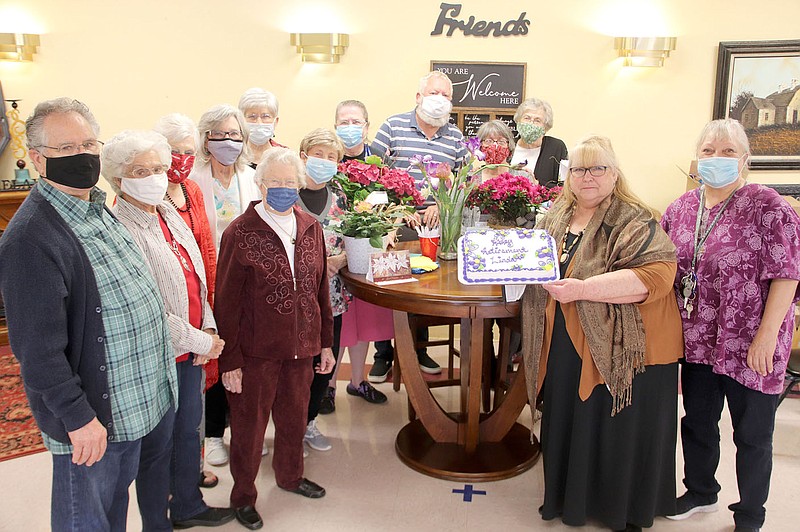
(18, 46)
(644, 51)
(320, 47)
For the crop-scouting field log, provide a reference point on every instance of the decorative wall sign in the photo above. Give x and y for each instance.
(483, 92)
(479, 28)
(758, 84)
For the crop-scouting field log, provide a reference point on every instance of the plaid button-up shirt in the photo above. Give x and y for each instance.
(140, 361)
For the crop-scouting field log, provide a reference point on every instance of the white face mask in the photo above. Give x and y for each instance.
(261, 133)
(149, 190)
(436, 106)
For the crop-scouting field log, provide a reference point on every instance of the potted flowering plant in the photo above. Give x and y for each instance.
(512, 199)
(370, 215)
(450, 192)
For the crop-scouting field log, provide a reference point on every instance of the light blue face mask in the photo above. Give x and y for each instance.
(718, 172)
(351, 135)
(320, 170)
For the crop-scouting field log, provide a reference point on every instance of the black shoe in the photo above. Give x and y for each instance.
(309, 489)
(428, 365)
(690, 503)
(380, 369)
(746, 529)
(248, 517)
(208, 479)
(328, 403)
(367, 391)
(209, 517)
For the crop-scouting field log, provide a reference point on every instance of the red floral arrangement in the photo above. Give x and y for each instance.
(358, 178)
(508, 197)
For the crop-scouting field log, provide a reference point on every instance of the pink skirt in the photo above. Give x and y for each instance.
(365, 322)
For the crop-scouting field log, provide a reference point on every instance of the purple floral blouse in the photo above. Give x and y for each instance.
(756, 239)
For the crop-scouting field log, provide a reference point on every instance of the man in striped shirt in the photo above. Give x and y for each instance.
(426, 130)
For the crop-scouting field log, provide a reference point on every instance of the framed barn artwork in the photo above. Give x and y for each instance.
(758, 84)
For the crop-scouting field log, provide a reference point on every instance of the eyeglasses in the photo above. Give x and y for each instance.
(216, 134)
(494, 142)
(277, 183)
(531, 119)
(595, 171)
(356, 122)
(90, 146)
(141, 171)
(265, 117)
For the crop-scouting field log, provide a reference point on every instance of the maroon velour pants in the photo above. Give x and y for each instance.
(281, 387)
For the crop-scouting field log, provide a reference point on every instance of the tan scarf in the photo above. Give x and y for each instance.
(618, 236)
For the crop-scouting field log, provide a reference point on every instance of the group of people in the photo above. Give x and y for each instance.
(214, 279)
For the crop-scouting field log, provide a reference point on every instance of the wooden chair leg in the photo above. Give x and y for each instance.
(395, 371)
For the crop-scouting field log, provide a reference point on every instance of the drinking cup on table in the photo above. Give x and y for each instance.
(429, 246)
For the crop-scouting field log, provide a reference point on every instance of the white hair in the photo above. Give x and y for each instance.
(176, 128)
(535, 104)
(276, 156)
(258, 97)
(423, 81)
(210, 120)
(725, 129)
(120, 151)
(34, 125)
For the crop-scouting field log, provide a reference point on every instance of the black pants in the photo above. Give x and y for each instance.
(320, 383)
(216, 410)
(384, 350)
(753, 417)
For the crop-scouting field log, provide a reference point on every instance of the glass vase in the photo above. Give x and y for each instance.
(450, 229)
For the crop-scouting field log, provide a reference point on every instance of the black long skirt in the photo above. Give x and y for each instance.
(614, 470)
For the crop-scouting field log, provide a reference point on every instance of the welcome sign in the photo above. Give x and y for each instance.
(484, 85)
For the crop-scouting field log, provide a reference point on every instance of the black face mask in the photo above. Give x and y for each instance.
(81, 170)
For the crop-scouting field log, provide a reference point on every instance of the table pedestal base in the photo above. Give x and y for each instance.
(490, 461)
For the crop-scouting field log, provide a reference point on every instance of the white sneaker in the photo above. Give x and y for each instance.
(264, 449)
(216, 453)
(315, 439)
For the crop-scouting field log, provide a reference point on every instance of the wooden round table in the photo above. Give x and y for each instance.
(468, 445)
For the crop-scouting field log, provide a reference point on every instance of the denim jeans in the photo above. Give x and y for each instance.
(152, 480)
(186, 498)
(88, 499)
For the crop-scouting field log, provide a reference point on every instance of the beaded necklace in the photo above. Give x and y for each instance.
(186, 208)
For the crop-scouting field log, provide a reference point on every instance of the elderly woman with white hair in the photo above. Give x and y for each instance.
(135, 164)
(540, 153)
(260, 110)
(221, 167)
(187, 198)
(274, 308)
(738, 247)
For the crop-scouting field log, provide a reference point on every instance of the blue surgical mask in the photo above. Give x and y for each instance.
(281, 198)
(320, 170)
(261, 133)
(718, 172)
(351, 135)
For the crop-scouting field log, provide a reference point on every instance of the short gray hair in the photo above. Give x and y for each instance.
(277, 156)
(423, 81)
(535, 104)
(351, 103)
(177, 128)
(34, 125)
(257, 97)
(725, 129)
(211, 119)
(120, 151)
(496, 127)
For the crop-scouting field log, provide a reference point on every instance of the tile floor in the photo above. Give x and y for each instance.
(370, 489)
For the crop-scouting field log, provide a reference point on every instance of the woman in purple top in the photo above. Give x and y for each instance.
(738, 247)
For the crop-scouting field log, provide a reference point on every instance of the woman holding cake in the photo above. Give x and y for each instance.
(601, 347)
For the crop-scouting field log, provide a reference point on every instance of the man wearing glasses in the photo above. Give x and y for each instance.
(88, 327)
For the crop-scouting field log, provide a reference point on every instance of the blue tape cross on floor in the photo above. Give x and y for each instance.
(469, 492)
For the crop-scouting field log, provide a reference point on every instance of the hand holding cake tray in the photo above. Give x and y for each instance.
(507, 256)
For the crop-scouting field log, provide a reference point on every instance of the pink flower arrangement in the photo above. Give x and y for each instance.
(358, 178)
(508, 197)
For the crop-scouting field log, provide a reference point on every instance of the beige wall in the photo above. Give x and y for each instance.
(131, 62)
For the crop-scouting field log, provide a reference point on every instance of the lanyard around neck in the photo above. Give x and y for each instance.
(700, 240)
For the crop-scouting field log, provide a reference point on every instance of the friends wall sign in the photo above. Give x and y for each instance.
(479, 28)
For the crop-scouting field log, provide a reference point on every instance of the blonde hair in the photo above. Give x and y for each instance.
(591, 151)
(322, 137)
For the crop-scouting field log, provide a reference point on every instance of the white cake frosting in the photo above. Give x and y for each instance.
(519, 256)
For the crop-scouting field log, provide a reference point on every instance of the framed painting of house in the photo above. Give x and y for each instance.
(758, 84)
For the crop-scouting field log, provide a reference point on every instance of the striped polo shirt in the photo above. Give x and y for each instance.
(402, 137)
